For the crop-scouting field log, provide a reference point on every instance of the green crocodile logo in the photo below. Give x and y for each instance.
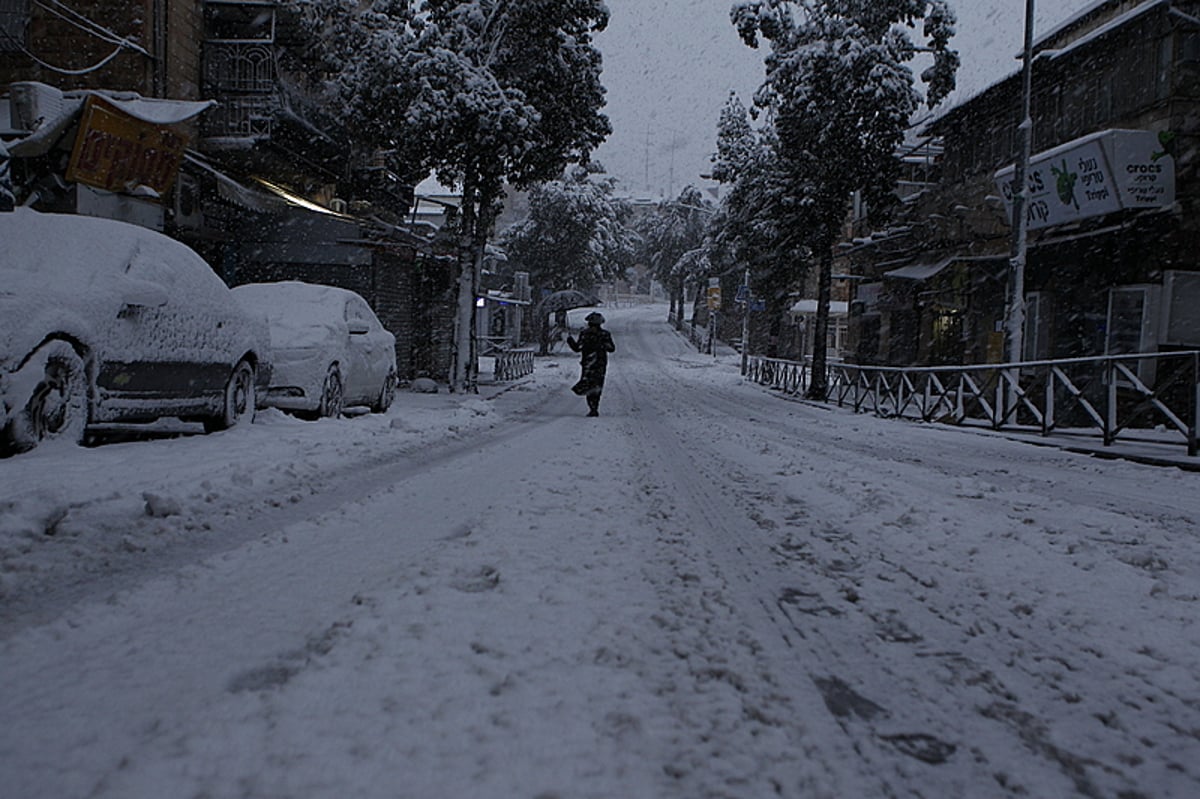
(1065, 181)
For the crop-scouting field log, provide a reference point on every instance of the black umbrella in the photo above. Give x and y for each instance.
(559, 302)
(565, 301)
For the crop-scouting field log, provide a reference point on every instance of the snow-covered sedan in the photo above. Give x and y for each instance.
(329, 350)
(103, 321)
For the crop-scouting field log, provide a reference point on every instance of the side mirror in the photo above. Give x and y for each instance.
(142, 294)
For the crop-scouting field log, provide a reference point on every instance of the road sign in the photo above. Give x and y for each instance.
(714, 298)
(743, 293)
(758, 305)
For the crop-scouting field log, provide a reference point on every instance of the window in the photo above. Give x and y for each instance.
(14, 21)
(1165, 70)
(356, 310)
(1181, 306)
(1035, 342)
(1132, 325)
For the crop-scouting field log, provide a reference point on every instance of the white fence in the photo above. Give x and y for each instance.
(1151, 396)
(512, 364)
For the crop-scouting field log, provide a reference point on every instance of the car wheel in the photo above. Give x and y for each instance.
(333, 400)
(386, 394)
(240, 399)
(57, 408)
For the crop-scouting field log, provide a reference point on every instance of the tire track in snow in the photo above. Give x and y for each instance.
(975, 656)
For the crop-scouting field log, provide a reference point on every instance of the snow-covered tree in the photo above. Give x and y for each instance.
(840, 94)
(478, 91)
(510, 90)
(676, 228)
(760, 224)
(575, 235)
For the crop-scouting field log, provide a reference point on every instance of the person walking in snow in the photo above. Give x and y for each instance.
(594, 345)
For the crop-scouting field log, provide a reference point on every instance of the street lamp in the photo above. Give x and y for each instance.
(1014, 322)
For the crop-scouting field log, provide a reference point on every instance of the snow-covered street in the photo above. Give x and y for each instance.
(709, 591)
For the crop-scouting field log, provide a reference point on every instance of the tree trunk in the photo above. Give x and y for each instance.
(464, 318)
(484, 218)
(818, 384)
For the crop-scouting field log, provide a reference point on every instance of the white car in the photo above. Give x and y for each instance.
(329, 351)
(103, 321)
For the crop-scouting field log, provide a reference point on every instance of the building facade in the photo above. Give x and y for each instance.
(262, 184)
(1112, 248)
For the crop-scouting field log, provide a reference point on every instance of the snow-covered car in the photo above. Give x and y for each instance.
(329, 350)
(103, 321)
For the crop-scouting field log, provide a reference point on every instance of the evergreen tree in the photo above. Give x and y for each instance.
(675, 228)
(760, 224)
(478, 91)
(575, 235)
(511, 91)
(840, 95)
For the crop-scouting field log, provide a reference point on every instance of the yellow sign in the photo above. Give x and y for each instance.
(714, 298)
(117, 152)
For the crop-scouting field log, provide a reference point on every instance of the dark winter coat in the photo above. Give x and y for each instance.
(594, 345)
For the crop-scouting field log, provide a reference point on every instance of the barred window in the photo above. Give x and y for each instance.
(14, 21)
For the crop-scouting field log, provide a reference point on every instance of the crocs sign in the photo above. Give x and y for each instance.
(1098, 174)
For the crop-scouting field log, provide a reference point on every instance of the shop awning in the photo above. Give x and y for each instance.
(57, 111)
(836, 307)
(919, 271)
(234, 192)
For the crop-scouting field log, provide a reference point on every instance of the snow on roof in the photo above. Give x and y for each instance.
(919, 271)
(430, 188)
(235, 192)
(1105, 29)
(57, 109)
(158, 111)
(949, 108)
(1072, 20)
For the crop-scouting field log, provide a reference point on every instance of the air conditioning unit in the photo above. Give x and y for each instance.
(31, 103)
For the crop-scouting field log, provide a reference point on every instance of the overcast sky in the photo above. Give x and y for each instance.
(669, 66)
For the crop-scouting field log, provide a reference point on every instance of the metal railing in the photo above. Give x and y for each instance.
(696, 334)
(1149, 396)
(513, 364)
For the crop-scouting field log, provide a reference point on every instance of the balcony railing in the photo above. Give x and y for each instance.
(1145, 397)
(246, 117)
(241, 76)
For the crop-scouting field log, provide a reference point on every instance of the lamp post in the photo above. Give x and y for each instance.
(1014, 322)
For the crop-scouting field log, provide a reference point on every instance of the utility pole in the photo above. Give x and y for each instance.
(1014, 322)
(746, 325)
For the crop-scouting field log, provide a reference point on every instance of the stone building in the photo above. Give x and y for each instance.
(262, 184)
(1113, 212)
